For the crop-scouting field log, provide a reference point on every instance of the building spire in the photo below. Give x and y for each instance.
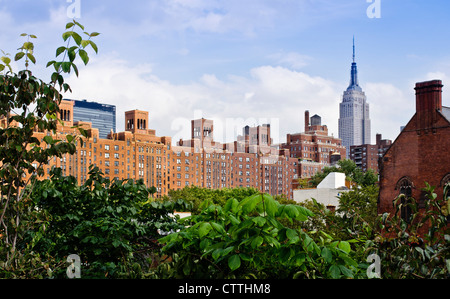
(353, 48)
(354, 73)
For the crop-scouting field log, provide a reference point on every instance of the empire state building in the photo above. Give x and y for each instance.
(354, 121)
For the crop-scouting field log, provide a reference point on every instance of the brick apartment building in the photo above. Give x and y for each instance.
(420, 153)
(137, 153)
(366, 156)
(314, 149)
(250, 161)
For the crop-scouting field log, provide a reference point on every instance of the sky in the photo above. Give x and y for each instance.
(246, 62)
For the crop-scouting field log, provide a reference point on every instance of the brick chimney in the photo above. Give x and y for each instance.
(428, 101)
(306, 120)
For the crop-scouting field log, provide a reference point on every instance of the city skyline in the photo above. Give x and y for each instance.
(260, 61)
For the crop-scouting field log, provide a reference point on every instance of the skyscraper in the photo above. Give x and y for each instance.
(102, 116)
(354, 121)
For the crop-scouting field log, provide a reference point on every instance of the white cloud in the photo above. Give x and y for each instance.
(270, 94)
(390, 109)
(292, 60)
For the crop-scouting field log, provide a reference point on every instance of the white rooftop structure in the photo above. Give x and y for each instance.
(327, 192)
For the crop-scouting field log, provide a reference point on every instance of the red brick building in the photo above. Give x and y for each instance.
(313, 148)
(250, 161)
(420, 153)
(366, 156)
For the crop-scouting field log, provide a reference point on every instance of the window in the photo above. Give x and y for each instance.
(404, 185)
(106, 155)
(107, 147)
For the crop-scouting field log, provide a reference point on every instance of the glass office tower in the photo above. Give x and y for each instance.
(102, 116)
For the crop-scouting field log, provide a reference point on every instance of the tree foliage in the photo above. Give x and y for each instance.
(111, 225)
(245, 239)
(352, 172)
(28, 104)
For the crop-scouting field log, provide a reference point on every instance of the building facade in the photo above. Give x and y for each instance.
(314, 148)
(101, 116)
(137, 153)
(419, 154)
(250, 161)
(354, 119)
(366, 156)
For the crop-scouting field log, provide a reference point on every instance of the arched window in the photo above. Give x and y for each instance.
(405, 186)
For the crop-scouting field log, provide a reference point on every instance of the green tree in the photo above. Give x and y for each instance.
(406, 248)
(28, 104)
(196, 195)
(247, 240)
(112, 225)
(352, 172)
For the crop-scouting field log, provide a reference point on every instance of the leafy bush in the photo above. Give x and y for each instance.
(418, 247)
(29, 104)
(247, 240)
(110, 225)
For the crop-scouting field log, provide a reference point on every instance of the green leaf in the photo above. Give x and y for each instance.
(291, 211)
(69, 25)
(79, 25)
(60, 50)
(84, 43)
(50, 63)
(249, 203)
(77, 38)
(19, 56)
(234, 262)
(84, 56)
(66, 66)
(345, 246)
(28, 46)
(270, 204)
(71, 54)
(66, 35)
(260, 221)
(204, 229)
(48, 139)
(5, 59)
(75, 68)
(94, 34)
(256, 242)
(219, 228)
(231, 205)
(334, 271)
(346, 271)
(217, 253)
(291, 234)
(327, 255)
(31, 57)
(94, 46)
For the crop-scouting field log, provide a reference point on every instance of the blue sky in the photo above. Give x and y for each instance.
(244, 62)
